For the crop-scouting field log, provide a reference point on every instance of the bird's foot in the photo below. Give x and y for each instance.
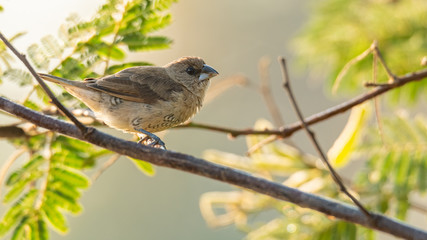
(151, 139)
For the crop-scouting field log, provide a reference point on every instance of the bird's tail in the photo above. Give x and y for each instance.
(61, 81)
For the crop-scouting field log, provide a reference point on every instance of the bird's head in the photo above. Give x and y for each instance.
(192, 72)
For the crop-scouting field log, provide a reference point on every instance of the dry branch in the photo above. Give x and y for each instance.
(318, 117)
(225, 174)
(312, 137)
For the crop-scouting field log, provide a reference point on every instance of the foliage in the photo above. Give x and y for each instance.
(393, 171)
(342, 29)
(276, 161)
(396, 165)
(6, 58)
(50, 183)
(392, 145)
(47, 185)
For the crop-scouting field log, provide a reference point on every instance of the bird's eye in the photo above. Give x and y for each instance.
(190, 70)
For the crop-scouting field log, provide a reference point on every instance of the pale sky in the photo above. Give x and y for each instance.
(31, 16)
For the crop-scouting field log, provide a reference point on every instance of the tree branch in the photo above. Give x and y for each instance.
(225, 174)
(22, 57)
(312, 137)
(318, 117)
(265, 90)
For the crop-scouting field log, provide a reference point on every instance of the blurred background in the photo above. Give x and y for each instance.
(230, 36)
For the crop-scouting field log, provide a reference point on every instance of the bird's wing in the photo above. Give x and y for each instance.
(137, 84)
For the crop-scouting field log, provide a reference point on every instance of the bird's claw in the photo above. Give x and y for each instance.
(151, 140)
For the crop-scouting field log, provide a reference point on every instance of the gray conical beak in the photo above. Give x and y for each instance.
(207, 73)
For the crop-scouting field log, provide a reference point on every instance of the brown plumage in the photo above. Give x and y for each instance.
(145, 99)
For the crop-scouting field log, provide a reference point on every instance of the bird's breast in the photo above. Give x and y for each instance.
(163, 114)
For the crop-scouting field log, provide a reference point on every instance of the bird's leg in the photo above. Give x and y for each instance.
(155, 140)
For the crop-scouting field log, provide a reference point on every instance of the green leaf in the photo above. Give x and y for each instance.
(60, 199)
(51, 46)
(402, 209)
(340, 152)
(70, 177)
(41, 94)
(17, 188)
(339, 230)
(138, 42)
(17, 211)
(155, 23)
(113, 52)
(32, 105)
(118, 67)
(55, 217)
(331, 39)
(144, 166)
(422, 175)
(74, 145)
(26, 170)
(387, 166)
(402, 171)
(38, 57)
(18, 76)
(21, 231)
(65, 189)
(39, 230)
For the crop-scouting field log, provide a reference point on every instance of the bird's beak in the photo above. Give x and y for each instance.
(207, 73)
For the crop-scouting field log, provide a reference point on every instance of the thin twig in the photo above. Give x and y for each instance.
(47, 154)
(376, 100)
(106, 165)
(391, 76)
(348, 65)
(265, 89)
(117, 26)
(312, 138)
(261, 143)
(318, 117)
(6, 166)
(22, 57)
(218, 172)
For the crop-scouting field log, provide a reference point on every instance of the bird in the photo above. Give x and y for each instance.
(144, 99)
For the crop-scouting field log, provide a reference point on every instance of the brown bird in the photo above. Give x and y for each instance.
(145, 99)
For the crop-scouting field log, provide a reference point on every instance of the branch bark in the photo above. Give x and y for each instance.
(289, 130)
(65, 111)
(335, 176)
(225, 174)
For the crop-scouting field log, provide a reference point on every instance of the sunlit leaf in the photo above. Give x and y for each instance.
(26, 170)
(71, 177)
(145, 167)
(55, 217)
(340, 152)
(51, 46)
(112, 52)
(16, 189)
(331, 39)
(22, 230)
(38, 57)
(32, 105)
(18, 76)
(60, 199)
(39, 230)
(17, 211)
(119, 67)
(422, 175)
